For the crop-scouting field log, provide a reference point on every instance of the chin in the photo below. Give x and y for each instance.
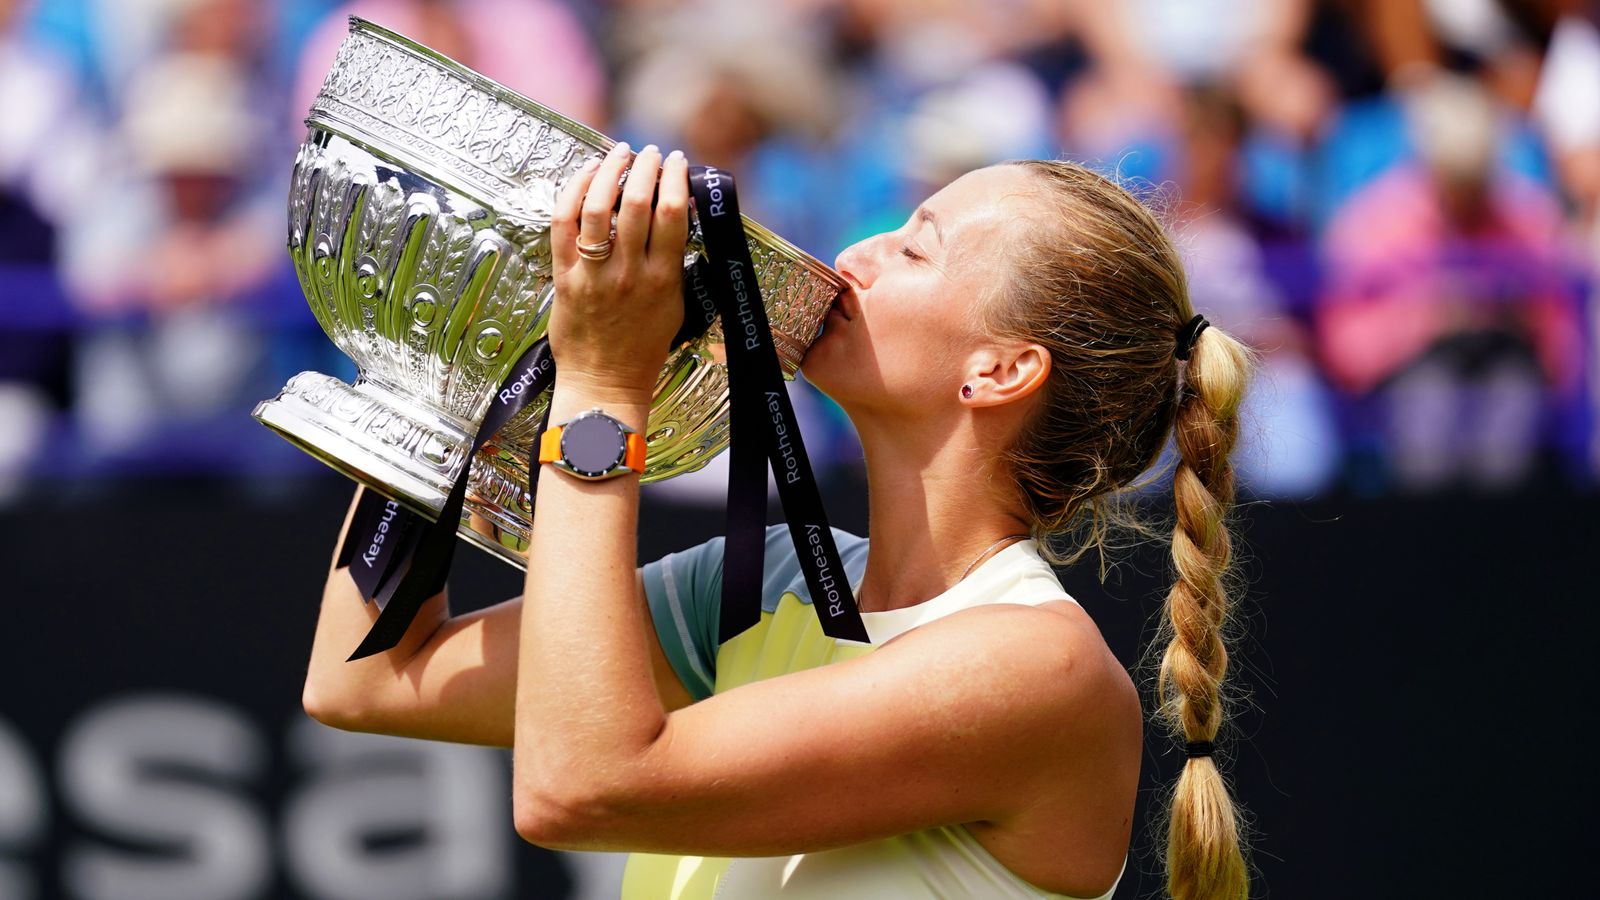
(843, 380)
(822, 365)
(843, 366)
(823, 357)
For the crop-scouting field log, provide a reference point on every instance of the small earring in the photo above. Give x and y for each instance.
(966, 392)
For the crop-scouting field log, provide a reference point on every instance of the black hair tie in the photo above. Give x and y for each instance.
(1187, 335)
(1197, 749)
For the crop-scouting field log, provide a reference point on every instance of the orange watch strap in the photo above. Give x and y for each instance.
(550, 444)
(634, 457)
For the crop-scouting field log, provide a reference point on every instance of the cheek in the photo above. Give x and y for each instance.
(917, 348)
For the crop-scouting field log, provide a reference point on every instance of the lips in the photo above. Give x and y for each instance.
(846, 304)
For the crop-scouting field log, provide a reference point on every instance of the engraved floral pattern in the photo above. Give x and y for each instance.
(526, 221)
(416, 103)
(434, 283)
(361, 414)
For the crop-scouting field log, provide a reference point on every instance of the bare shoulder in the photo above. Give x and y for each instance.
(1050, 660)
(1070, 729)
(1053, 638)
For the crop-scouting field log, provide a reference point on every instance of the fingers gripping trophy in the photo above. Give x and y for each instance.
(420, 210)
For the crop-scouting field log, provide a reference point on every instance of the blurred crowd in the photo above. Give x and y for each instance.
(1396, 201)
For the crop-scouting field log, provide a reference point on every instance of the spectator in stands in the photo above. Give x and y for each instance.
(1145, 52)
(1290, 445)
(189, 224)
(1445, 300)
(748, 91)
(1411, 43)
(1499, 41)
(47, 142)
(1568, 116)
(48, 150)
(1125, 113)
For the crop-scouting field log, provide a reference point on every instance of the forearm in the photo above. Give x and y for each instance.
(586, 701)
(587, 708)
(341, 692)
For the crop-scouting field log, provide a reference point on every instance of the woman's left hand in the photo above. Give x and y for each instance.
(614, 318)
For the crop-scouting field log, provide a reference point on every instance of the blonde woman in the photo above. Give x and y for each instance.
(1011, 356)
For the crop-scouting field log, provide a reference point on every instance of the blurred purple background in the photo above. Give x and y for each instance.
(1395, 201)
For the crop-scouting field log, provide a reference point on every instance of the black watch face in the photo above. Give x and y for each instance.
(592, 445)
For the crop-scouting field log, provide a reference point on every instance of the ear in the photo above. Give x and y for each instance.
(1001, 375)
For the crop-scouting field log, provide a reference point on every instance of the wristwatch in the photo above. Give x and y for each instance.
(593, 446)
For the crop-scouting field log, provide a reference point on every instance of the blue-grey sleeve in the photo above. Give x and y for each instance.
(684, 591)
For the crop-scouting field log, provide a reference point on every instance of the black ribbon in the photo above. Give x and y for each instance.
(419, 564)
(387, 527)
(759, 401)
(398, 560)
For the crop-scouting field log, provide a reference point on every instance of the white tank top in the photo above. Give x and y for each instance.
(945, 863)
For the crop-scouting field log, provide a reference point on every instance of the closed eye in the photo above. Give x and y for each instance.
(909, 253)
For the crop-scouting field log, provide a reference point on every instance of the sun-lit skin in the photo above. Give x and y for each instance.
(895, 354)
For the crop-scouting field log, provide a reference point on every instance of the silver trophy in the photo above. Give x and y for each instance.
(419, 226)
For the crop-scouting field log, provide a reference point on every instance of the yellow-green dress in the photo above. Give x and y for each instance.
(684, 592)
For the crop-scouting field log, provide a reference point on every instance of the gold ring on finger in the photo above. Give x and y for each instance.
(596, 251)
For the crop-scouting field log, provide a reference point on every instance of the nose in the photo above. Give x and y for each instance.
(856, 263)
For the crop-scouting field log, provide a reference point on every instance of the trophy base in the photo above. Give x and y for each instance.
(407, 453)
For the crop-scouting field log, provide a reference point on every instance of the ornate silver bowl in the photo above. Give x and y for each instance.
(419, 215)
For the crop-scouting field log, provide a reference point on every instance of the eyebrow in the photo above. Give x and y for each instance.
(926, 215)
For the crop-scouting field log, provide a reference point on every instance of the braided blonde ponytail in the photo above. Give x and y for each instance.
(1204, 856)
(1101, 286)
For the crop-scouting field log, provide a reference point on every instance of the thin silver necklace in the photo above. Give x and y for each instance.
(968, 571)
(1010, 537)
